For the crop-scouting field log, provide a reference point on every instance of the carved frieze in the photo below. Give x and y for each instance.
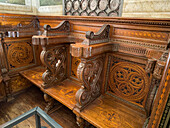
(142, 34)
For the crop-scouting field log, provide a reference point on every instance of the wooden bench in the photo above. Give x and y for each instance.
(112, 75)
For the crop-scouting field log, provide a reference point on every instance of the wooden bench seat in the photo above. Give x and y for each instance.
(109, 112)
(63, 92)
(34, 75)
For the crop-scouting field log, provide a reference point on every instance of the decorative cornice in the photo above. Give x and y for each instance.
(131, 21)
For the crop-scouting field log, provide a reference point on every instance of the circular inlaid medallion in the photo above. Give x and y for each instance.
(93, 4)
(84, 4)
(103, 4)
(114, 4)
(76, 5)
(68, 5)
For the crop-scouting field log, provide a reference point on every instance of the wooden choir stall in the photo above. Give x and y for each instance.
(110, 72)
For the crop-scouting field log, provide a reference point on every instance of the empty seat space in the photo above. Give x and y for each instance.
(34, 75)
(64, 92)
(108, 112)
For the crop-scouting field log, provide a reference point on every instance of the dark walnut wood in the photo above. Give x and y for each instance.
(111, 68)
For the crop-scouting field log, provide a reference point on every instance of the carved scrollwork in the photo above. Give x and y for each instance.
(55, 61)
(89, 73)
(64, 26)
(100, 37)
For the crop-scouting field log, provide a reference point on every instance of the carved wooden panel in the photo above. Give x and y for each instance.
(93, 7)
(128, 81)
(19, 54)
(74, 65)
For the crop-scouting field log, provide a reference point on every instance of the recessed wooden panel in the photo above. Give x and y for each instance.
(74, 64)
(2, 91)
(128, 80)
(19, 54)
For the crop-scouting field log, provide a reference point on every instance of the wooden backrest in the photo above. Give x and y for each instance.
(17, 43)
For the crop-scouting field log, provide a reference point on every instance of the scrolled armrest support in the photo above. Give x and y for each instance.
(55, 60)
(89, 73)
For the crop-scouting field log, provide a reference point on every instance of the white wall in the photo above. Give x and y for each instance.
(146, 8)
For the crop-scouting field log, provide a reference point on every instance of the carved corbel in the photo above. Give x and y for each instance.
(89, 73)
(101, 36)
(55, 60)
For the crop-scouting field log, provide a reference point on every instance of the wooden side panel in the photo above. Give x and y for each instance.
(2, 92)
(161, 97)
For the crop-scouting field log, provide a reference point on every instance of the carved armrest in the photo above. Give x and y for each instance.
(89, 72)
(54, 35)
(54, 54)
(101, 36)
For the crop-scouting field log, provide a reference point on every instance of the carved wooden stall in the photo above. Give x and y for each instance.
(98, 67)
(16, 51)
(102, 67)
